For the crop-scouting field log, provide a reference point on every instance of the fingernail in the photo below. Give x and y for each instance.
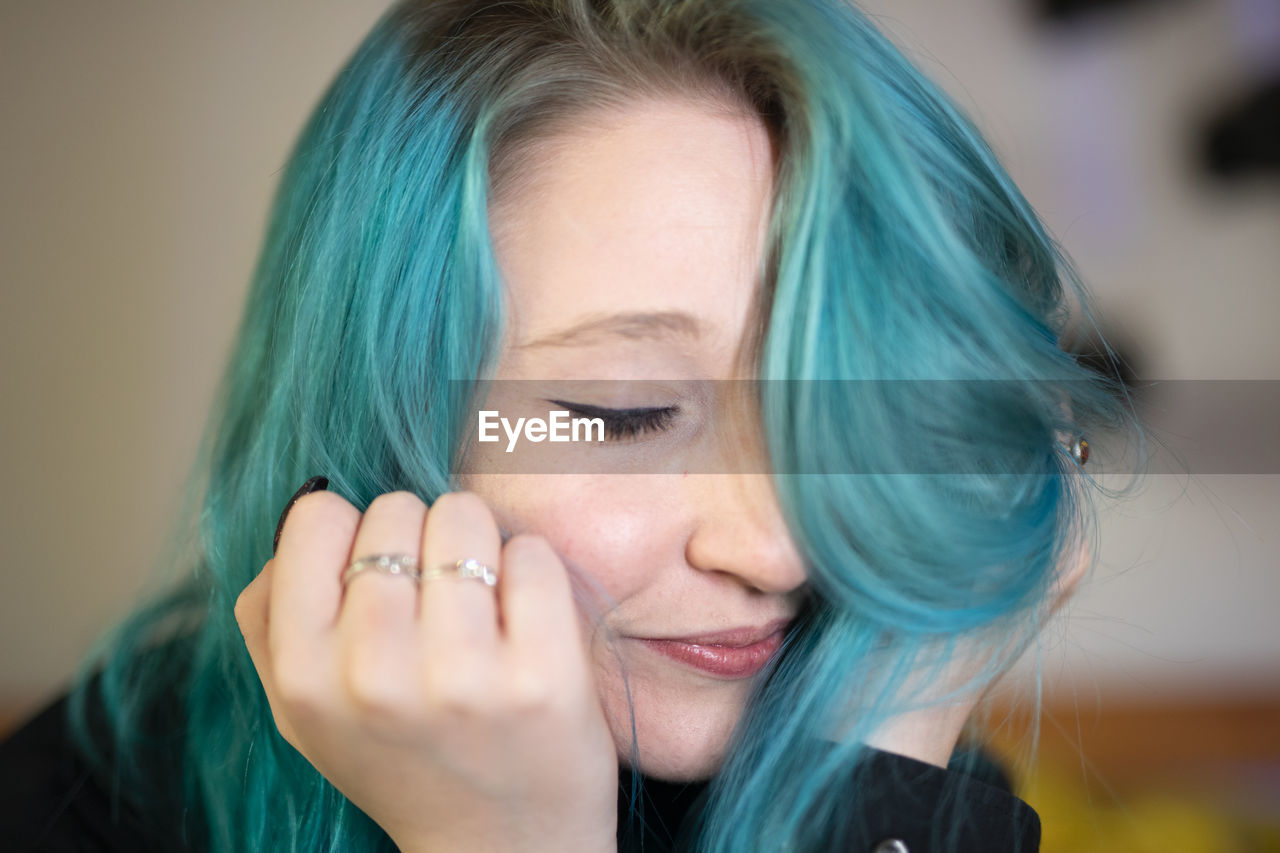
(315, 484)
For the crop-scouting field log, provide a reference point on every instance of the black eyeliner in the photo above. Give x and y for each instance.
(623, 423)
(589, 411)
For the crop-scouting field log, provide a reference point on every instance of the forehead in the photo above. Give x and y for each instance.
(659, 207)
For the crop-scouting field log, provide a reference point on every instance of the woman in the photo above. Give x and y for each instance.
(833, 494)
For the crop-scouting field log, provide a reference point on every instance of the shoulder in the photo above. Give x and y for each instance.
(895, 804)
(55, 796)
(966, 807)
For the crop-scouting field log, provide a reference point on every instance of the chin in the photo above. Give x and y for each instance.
(668, 767)
(683, 736)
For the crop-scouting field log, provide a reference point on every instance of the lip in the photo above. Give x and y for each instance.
(738, 637)
(736, 653)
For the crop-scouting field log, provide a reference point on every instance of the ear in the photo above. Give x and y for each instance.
(1069, 574)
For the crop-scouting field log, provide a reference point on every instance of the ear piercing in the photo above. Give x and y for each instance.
(1080, 450)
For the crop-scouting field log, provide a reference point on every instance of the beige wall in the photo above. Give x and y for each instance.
(141, 142)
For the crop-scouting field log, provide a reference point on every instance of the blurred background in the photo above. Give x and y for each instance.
(141, 142)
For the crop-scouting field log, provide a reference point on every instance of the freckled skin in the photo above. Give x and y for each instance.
(659, 207)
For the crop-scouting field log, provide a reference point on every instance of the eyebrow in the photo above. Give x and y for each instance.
(661, 325)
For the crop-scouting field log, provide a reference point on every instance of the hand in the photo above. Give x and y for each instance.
(931, 734)
(457, 716)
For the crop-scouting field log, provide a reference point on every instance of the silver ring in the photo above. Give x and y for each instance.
(387, 564)
(468, 568)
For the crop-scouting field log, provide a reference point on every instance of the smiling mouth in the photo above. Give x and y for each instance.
(738, 637)
(719, 659)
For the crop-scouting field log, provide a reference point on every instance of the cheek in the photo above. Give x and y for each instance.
(623, 531)
(629, 533)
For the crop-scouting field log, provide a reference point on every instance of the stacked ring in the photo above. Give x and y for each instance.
(387, 564)
(465, 568)
(407, 566)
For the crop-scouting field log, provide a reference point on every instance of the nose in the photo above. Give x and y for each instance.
(739, 530)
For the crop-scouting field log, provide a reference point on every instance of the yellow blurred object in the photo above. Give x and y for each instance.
(1195, 775)
(1077, 819)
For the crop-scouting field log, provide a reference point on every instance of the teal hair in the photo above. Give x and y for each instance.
(913, 310)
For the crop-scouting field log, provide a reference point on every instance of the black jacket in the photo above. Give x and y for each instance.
(51, 802)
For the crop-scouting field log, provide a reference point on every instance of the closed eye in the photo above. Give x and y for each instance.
(623, 423)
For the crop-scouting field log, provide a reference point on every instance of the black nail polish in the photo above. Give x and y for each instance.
(315, 484)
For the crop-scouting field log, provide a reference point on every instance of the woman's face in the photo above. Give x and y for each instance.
(631, 252)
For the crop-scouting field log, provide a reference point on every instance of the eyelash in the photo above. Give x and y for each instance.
(624, 423)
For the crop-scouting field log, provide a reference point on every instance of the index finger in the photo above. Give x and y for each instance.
(305, 587)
